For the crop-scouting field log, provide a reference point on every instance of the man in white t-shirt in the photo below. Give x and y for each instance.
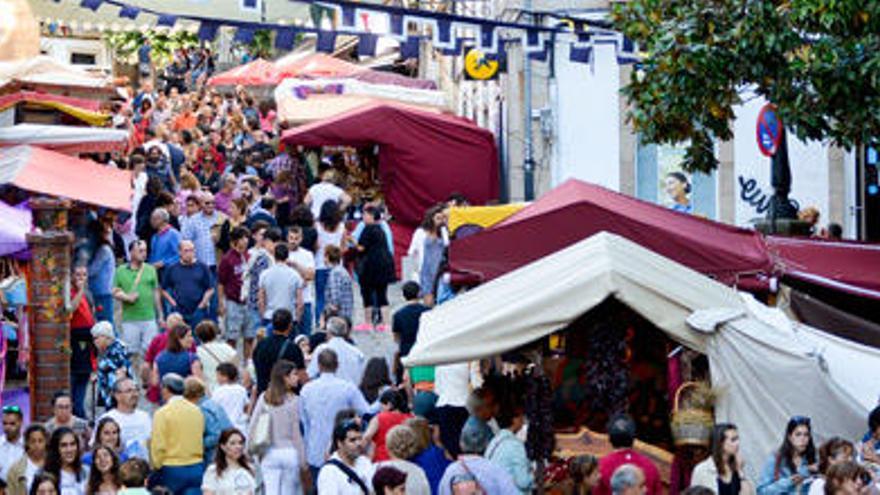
(303, 261)
(326, 190)
(281, 287)
(347, 459)
(135, 425)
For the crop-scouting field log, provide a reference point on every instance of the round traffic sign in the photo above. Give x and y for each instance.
(768, 130)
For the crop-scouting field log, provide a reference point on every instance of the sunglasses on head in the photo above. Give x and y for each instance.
(11, 409)
(800, 420)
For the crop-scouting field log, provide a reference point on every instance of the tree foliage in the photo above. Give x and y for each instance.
(817, 60)
(126, 43)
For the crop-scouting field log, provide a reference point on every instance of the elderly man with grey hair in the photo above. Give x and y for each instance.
(473, 468)
(628, 479)
(165, 242)
(351, 360)
(188, 285)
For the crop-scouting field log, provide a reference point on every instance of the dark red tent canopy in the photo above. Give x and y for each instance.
(851, 267)
(423, 156)
(576, 210)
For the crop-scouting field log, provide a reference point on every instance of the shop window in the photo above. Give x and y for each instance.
(78, 58)
(660, 179)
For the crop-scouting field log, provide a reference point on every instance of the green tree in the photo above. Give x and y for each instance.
(817, 60)
(126, 43)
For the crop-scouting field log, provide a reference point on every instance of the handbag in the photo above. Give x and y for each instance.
(260, 436)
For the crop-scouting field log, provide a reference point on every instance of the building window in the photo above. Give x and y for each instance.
(83, 58)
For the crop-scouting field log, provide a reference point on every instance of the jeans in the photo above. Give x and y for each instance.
(280, 467)
(104, 307)
(183, 480)
(304, 325)
(79, 386)
(196, 317)
(321, 276)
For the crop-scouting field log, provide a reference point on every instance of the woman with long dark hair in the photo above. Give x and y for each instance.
(394, 412)
(231, 471)
(724, 471)
(375, 267)
(177, 358)
(789, 469)
(109, 435)
(331, 232)
(432, 255)
(64, 462)
(284, 463)
(376, 380)
(104, 475)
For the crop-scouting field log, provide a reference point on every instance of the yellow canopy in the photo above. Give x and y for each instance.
(483, 216)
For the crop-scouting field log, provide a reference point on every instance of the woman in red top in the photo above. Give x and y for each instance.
(394, 412)
(81, 321)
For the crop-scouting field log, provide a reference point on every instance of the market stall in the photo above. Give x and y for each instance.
(306, 100)
(576, 210)
(45, 74)
(422, 157)
(745, 342)
(55, 174)
(65, 139)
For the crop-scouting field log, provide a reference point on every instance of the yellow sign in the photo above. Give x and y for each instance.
(479, 66)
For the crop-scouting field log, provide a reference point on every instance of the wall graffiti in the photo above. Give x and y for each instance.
(753, 195)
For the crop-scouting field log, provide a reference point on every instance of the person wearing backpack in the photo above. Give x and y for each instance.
(348, 471)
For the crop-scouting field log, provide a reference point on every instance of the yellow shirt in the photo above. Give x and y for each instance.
(177, 434)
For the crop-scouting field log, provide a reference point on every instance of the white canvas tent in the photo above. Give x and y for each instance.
(766, 368)
(65, 139)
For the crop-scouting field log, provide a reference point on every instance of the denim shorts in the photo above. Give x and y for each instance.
(238, 322)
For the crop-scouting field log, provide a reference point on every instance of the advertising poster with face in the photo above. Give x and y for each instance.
(661, 179)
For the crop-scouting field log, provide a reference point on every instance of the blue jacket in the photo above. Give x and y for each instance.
(164, 247)
(216, 421)
(769, 484)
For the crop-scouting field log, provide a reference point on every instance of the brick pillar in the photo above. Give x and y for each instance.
(50, 243)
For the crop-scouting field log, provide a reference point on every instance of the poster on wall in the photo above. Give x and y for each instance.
(662, 180)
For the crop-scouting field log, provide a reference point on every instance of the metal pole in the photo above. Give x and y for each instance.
(529, 157)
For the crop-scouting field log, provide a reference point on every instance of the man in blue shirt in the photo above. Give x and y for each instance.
(165, 244)
(145, 66)
(319, 402)
(187, 286)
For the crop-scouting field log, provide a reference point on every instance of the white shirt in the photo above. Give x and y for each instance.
(417, 252)
(69, 484)
(234, 481)
(305, 259)
(10, 453)
(452, 384)
(320, 193)
(333, 481)
(134, 427)
(30, 470)
(351, 360)
(211, 355)
(233, 398)
(280, 283)
(325, 239)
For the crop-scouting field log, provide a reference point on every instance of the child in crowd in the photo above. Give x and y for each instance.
(231, 395)
(338, 293)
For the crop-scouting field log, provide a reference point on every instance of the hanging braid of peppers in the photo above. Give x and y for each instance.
(607, 375)
(541, 439)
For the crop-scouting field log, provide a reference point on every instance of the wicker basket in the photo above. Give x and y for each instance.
(692, 426)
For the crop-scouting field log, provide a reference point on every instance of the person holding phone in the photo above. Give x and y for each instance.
(791, 469)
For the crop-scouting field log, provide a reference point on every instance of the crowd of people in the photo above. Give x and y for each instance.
(216, 323)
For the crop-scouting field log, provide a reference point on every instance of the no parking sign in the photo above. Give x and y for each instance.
(768, 130)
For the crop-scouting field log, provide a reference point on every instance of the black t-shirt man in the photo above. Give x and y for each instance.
(268, 351)
(406, 325)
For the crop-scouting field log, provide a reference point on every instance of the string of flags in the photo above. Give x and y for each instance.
(450, 33)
